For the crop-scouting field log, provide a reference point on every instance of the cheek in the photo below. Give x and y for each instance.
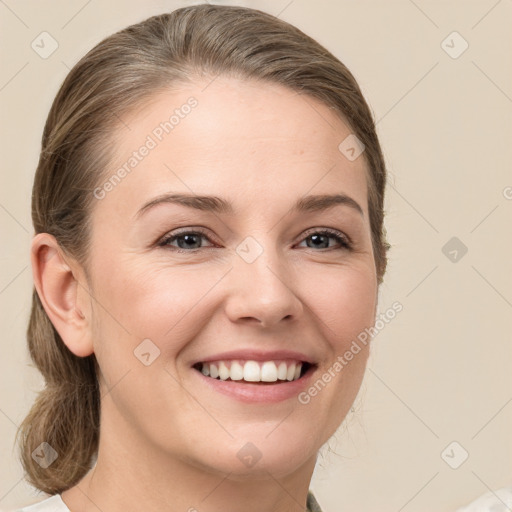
(162, 303)
(344, 299)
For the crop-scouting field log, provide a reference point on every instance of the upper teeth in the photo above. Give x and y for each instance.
(253, 371)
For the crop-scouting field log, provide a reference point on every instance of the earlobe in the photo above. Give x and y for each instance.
(57, 285)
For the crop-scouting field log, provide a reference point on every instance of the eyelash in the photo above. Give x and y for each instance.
(342, 240)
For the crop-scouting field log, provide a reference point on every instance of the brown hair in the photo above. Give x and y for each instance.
(111, 80)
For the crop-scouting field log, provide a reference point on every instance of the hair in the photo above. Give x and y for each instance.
(118, 75)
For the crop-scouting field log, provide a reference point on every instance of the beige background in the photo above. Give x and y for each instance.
(441, 370)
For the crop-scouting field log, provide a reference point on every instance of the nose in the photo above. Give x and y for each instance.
(262, 292)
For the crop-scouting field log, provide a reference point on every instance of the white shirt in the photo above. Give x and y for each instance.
(52, 504)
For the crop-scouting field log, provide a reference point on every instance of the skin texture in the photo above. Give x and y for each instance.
(168, 441)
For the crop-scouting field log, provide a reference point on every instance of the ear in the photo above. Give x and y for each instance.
(63, 291)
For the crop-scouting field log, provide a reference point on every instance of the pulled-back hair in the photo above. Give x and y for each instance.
(113, 79)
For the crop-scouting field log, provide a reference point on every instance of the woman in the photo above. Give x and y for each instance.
(208, 210)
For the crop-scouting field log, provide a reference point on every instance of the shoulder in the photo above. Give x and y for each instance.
(52, 504)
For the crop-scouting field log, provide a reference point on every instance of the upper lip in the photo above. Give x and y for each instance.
(256, 355)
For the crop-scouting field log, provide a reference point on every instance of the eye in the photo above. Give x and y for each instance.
(320, 239)
(190, 241)
(187, 241)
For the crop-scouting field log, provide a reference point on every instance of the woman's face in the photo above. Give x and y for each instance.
(257, 279)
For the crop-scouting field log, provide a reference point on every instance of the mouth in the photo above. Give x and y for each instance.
(273, 372)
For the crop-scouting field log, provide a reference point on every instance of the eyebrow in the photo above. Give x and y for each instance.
(216, 204)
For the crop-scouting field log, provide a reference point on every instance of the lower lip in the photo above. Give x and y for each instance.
(250, 392)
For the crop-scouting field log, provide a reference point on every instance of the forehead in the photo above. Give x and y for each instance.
(245, 140)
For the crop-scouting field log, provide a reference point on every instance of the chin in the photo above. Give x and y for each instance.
(259, 457)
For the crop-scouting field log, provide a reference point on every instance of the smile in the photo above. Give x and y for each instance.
(254, 371)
